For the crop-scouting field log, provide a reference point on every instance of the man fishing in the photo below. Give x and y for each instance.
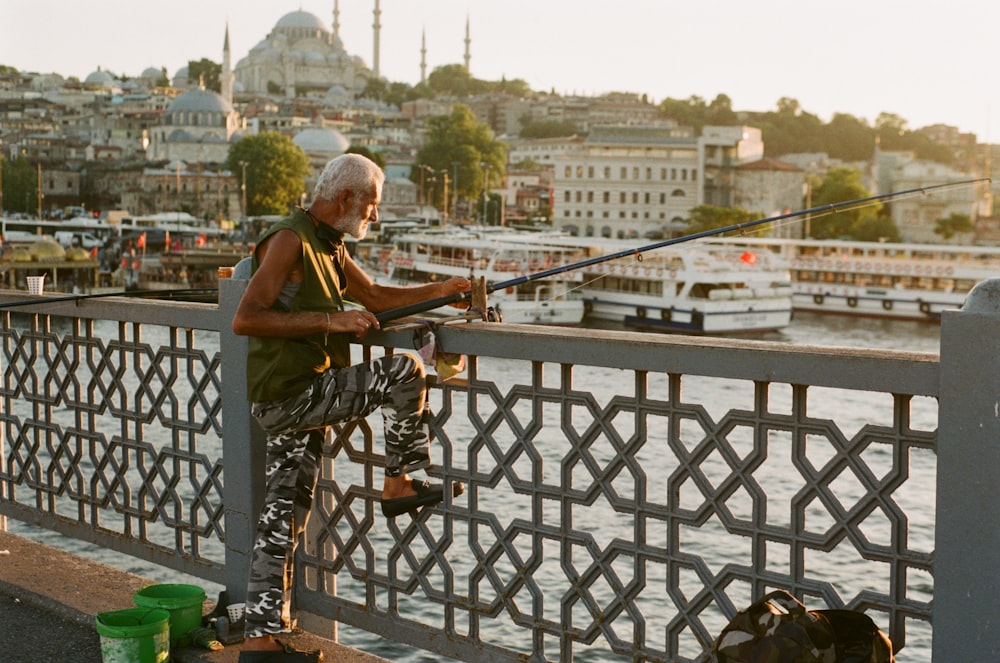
(300, 381)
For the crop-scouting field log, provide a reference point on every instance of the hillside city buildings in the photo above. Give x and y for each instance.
(158, 142)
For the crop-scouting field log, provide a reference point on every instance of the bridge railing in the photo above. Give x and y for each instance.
(627, 493)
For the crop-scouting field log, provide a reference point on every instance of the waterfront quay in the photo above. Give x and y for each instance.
(627, 492)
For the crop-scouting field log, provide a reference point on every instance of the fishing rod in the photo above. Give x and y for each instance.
(420, 307)
(178, 293)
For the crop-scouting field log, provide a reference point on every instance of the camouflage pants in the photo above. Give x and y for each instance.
(295, 430)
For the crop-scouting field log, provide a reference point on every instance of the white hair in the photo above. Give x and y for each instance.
(352, 172)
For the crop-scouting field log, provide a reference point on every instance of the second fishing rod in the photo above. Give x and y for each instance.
(848, 205)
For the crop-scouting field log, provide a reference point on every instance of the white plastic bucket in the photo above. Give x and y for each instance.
(36, 285)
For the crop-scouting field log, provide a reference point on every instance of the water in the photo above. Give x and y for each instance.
(718, 397)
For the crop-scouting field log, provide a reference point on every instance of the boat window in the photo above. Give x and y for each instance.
(699, 291)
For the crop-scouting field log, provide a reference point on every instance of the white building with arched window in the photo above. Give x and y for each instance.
(626, 181)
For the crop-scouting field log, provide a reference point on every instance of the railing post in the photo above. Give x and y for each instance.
(966, 612)
(242, 448)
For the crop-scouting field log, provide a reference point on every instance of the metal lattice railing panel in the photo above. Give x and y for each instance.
(113, 437)
(630, 527)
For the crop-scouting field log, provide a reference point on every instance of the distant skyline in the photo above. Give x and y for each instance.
(926, 62)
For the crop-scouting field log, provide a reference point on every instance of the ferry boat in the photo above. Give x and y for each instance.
(696, 289)
(497, 254)
(878, 279)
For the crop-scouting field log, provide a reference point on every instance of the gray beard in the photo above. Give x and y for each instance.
(353, 226)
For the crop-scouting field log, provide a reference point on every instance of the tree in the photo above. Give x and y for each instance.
(710, 217)
(375, 88)
(848, 138)
(459, 144)
(533, 128)
(720, 111)
(689, 112)
(840, 185)
(20, 186)
(365, 152)
(451, 79)
(206, 72)
(276, 171)
(876, 228)
(953, 224)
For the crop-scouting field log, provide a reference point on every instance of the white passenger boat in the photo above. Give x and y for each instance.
(491, 253)
(695, 289)
(879, 279)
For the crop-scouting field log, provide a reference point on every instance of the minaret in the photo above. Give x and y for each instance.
(226, 77)
(423, 56)
(377, 27)
(336, 21)
(468, 43)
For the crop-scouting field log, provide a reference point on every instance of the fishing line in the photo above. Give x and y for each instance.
(844, 206)
(758, 231)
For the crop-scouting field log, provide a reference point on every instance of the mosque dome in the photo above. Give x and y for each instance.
(200, 101)
(300, 19)
(99, 78)
(180, 79)
(336, 96)
(318, 140)
(151, 73)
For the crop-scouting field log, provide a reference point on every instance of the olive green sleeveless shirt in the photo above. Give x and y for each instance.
(279, 368)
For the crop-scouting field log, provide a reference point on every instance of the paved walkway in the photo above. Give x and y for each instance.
(49, 599)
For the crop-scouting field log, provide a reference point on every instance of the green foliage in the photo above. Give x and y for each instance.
(876, 228)
(790, 129)
(276, 172)
(841, 184)
(532, 128)
(455, 81)
(515, 87)
(695, 112)
(529, 164)
(20, 186)
(710, 217)
(953, 224)
(394, 94)
(459, 143)
(365, 152)
(375, 88)
(204, 70)
(452, 79)
(849, 138)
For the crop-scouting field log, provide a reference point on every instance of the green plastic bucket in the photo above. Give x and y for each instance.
(183, 602)
(137, 635)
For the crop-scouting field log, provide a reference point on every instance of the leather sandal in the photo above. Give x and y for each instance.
(428, 494)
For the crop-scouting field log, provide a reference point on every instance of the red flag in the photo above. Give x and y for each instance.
(141, 242)
(749, 258)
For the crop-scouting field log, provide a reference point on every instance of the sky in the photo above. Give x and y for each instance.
(926, 62)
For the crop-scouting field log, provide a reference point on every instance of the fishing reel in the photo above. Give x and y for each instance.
(479, 301)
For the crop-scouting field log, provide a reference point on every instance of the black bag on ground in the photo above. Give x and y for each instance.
(779, 629)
